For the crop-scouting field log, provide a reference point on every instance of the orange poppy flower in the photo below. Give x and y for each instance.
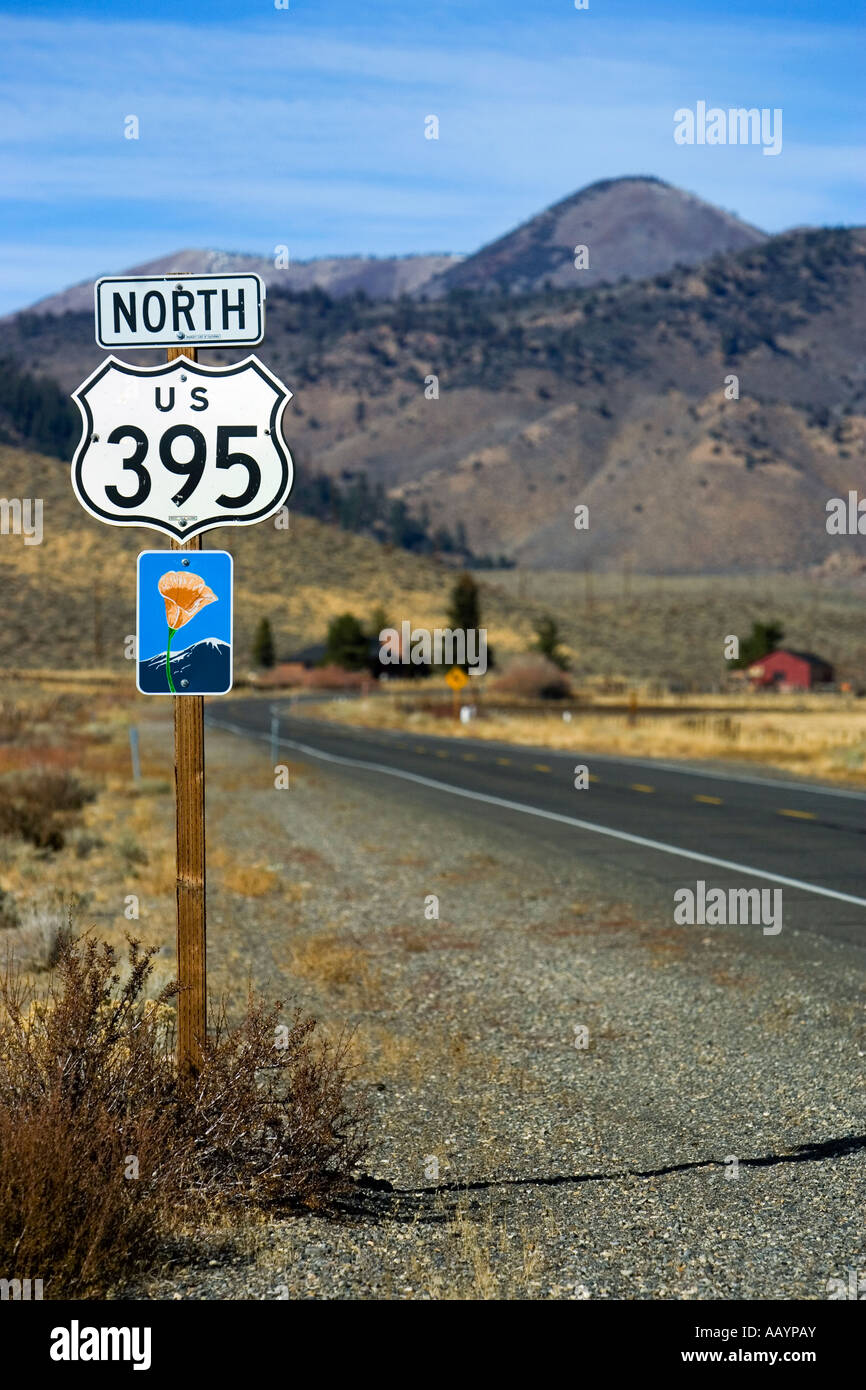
(185, 595)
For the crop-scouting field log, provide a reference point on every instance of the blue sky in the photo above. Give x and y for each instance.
(214, 567)
(305, 127)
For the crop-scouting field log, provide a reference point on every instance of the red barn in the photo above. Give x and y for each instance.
(787, 670)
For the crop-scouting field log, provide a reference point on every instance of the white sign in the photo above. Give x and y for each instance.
(178, 310)
(181, 448)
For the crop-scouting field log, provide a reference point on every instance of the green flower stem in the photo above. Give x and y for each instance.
(171, 632)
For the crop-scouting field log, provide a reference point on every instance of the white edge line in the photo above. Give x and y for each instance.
(657, 845)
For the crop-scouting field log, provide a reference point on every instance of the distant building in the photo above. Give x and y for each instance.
(787, 670)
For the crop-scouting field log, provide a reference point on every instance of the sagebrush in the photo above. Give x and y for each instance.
(104, 1150)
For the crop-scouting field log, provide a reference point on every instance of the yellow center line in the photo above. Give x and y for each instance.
(469, 757)
(709, 800)
(641, 787)
(419, 748)
(592, 777)
(440, 753)
(541, 767)
(506, 762)
(799, 815)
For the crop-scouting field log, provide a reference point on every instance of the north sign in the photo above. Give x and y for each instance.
(179, 310)
(181, 448)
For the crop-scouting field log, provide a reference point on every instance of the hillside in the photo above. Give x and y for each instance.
(631, 227)
(70, 602)
(611, 397)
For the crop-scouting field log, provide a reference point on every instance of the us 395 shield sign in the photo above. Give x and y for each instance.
(182, 447)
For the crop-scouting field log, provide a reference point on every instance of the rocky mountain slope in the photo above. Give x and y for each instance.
(630, 227)
(704, 416)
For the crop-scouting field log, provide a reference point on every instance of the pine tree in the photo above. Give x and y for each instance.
(347, 645)
(378, 621)
(263, 644)
(465, 609)
(763, 639)
(547, 640)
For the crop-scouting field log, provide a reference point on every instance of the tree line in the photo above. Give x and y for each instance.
(356, 504)
(35, 413)
(353, 644)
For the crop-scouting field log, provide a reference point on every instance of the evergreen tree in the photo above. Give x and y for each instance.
(547, 640)
(465, 609)
(347, 645)
(378, 621)
(763, 639)
(263, 644)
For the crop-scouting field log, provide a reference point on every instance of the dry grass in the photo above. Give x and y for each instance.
(818, 736)
(41, 927)
(250, 880)
(673, 627)
(489, 1258)
(334, 963)
(300, 581)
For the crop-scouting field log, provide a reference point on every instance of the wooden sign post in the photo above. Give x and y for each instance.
(190, 871)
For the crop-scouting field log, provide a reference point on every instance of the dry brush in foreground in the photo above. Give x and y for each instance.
(104, 1151)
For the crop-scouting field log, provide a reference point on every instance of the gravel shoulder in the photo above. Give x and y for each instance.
(705, 1143)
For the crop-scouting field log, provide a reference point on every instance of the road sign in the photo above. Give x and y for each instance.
(184, 607)
(456, 678)
(179, 310)
(181, 447)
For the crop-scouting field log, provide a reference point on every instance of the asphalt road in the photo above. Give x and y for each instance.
(653, 826)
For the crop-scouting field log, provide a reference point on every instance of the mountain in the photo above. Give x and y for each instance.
(704, 415)
(205, 667)
(384, 278)
(631, 227)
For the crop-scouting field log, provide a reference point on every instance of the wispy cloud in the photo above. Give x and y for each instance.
(254, 134)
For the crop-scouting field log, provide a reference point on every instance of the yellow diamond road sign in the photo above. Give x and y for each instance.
(457, 678)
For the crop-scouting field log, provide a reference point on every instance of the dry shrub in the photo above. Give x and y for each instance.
(268, 1119)
(38, 805)
(80, 1084)
(13, 721)
(533, 677)
(9, 918)
(40, 932)
(88, 1084)
(18, 718)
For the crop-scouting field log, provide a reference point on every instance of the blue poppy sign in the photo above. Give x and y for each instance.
(184, 643)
